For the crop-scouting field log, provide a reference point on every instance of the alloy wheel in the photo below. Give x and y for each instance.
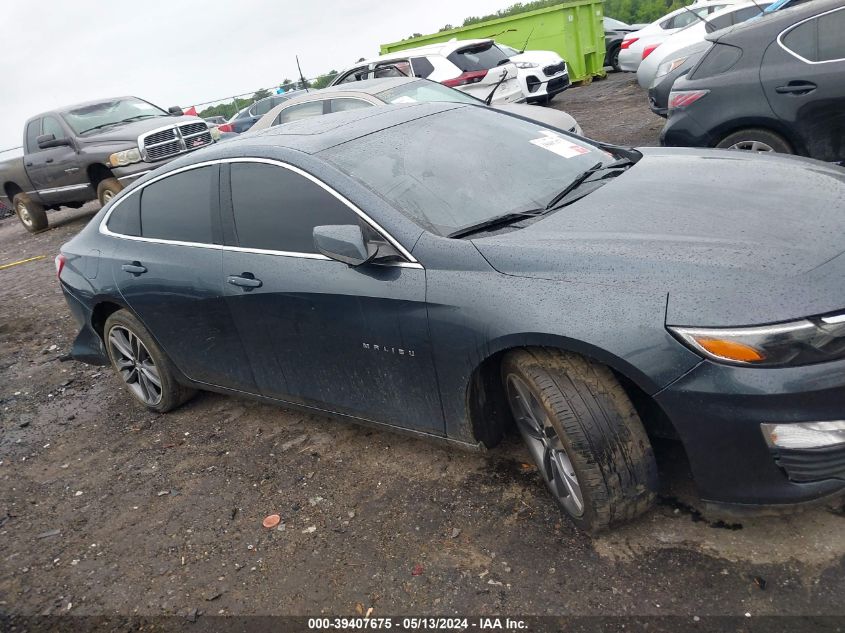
(752, 146)
(135, 365)
(545, 446)
(24, 215)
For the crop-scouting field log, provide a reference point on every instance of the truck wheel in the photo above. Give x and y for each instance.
(108, 189)
(144, 368)
(756, 140)
(31, 214)
(584, 435)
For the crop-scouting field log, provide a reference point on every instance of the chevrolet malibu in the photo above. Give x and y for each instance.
(450, 270)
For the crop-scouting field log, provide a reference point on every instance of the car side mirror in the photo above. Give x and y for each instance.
(344, 243)
(46, 141)
(175, 111)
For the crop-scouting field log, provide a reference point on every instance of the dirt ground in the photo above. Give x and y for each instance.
(108, 509)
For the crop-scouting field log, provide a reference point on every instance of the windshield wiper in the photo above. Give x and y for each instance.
(552, 204)
(504, 76)
(583, 177)
(132, 118)
(497, 221)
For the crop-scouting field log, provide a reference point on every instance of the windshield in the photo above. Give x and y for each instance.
(425, 91)
(455, 169)
(98, 115)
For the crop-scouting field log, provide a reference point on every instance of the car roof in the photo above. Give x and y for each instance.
(776, 21)
(440, 48)
(315, 134)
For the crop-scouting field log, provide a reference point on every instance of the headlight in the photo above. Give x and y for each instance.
(812, 340)
(126, 157)
(525, 65)
(667, 67)
(215, 133)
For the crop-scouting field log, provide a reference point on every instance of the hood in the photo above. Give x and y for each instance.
(129, 132)
(546, 116)
(733, 238)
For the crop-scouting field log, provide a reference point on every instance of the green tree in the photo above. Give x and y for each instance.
(324, 80)
(260, 94)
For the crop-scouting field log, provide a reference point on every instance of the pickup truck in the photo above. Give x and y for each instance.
(91, 151)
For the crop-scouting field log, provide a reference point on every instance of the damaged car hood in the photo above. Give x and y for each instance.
(732, 238)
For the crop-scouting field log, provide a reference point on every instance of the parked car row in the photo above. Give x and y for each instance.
(756, 76)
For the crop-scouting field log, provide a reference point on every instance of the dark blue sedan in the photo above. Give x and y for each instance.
(450, 271)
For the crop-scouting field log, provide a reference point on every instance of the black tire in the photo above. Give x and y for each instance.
(172, 394)
(772, 140)
(32, 215)
(591, 418)
(613, 58)
(108, 189)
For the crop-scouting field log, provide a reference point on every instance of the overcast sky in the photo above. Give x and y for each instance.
(182, 52)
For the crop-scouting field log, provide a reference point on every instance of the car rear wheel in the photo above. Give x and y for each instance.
(108, 189)
(143, 367)
(584, 435)
(756, 140)
(614, 58)
(32, 215)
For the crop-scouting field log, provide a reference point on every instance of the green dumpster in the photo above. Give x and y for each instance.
(574, 30)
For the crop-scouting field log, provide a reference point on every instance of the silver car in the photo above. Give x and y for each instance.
(374, 92)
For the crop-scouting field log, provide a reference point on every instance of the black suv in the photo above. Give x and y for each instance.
(776, 83)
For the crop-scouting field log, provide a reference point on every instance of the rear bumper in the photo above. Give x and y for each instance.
(682, 130)
(629, 60)
(717, 411)
(88, 346)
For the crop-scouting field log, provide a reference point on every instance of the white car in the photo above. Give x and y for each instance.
(640, 44)
(542, 74)
(693, 34)
(472, 66)
(390, 90)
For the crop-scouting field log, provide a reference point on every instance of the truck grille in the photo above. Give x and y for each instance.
(171, 141)
(554, 69)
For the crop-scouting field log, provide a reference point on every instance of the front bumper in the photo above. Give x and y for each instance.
(546, 88)
(717, 411)
(129, 173)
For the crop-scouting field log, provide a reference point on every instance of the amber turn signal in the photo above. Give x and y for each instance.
(731, 350)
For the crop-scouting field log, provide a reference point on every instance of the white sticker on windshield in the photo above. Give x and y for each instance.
(404, 99)
(560, 145)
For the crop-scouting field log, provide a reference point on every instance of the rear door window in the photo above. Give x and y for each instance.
(180, 207)
(480, 57)
(125, 219)
(301, 111)
(356, 74)
(396, 68)
(33, 131)
(832, 36)
(422, 66)
(277, 209)
(343, 105)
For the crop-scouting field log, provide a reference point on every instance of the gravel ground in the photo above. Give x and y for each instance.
(106, 509)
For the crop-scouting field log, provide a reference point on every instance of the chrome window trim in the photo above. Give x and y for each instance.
(104, 229)
(786, 31)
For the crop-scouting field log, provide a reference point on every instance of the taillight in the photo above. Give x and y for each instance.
(465, 78)
(60, 264)
(648, 50)
(626, 43)
(683, 98)
(225, 127)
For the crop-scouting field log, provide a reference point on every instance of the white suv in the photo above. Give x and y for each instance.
(472, 66)
(542, 74)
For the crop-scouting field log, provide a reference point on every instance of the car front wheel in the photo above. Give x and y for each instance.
(584, 435)
(142, 366)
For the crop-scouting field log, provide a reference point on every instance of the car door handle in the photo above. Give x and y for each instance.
(135, 268)
(246, 280)
(49, 160)
(796, 88)
(28, 164)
